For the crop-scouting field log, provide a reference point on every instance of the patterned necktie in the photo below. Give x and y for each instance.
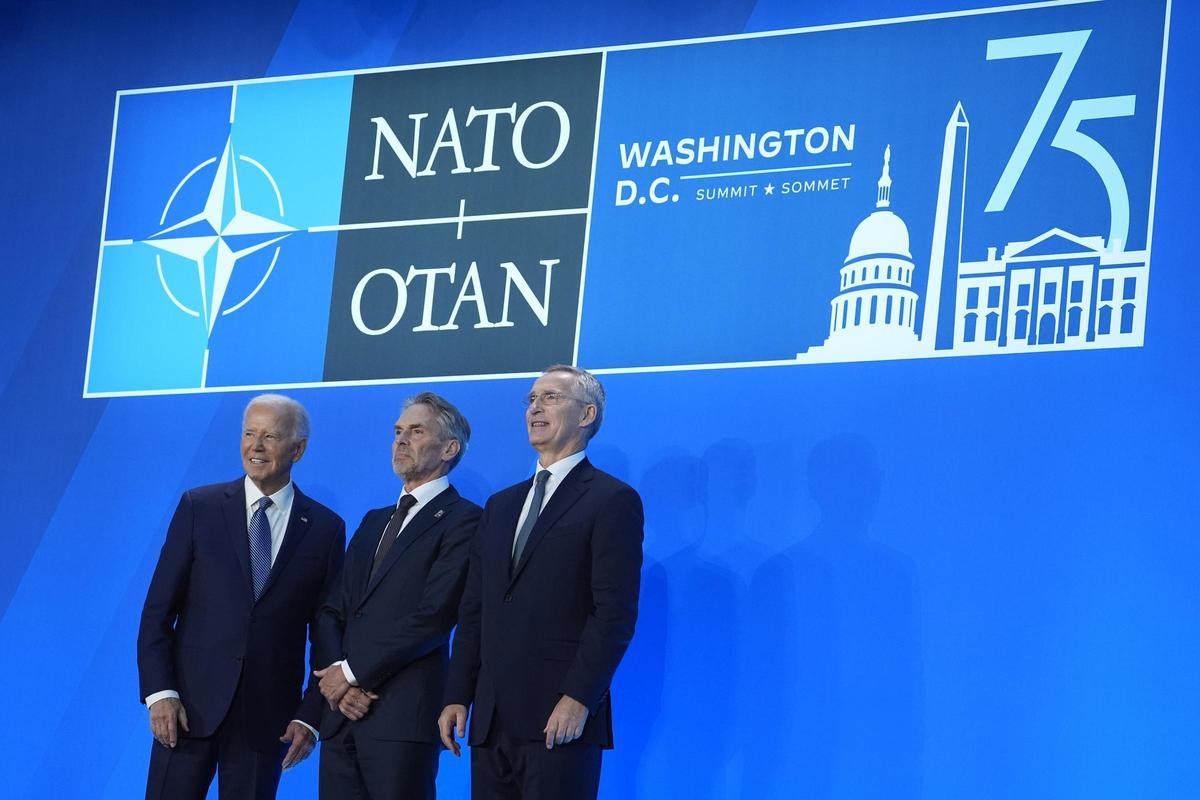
(260, 547)
(392, 532)
(535, 508)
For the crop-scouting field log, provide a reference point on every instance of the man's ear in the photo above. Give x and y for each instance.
(301, 446)
(451, 450)
(588, 416)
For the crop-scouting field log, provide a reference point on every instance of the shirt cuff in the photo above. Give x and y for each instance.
(348, 673)
(310, 727)
(163, 695)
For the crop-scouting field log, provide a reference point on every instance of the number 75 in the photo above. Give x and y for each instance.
(1068, 46)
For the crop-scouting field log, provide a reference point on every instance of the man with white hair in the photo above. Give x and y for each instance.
(235, 593)
(548, 611)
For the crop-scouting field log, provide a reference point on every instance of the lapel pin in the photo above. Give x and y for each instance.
(440, 513)
(304, 520)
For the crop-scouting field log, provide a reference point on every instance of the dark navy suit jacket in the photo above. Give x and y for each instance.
(201, 630)
(559, 622)
(394, 629)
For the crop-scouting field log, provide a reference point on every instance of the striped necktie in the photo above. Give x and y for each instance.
(260, 547)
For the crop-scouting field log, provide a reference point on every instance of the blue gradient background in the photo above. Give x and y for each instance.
(955, 578)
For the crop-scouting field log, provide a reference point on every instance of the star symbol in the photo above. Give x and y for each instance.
(224, 226)
(769, 189)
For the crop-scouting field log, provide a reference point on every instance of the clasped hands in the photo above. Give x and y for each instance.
(353, 702)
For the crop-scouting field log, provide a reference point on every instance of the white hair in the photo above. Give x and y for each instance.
(590, 389)
(296, 418)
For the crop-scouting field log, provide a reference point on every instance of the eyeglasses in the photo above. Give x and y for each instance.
(548, 399)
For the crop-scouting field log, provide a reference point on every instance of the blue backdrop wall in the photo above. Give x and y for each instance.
(936, 578)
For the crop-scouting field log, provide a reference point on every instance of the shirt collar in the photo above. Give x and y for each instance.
(427, 491)
(281, 499)
(560, 468)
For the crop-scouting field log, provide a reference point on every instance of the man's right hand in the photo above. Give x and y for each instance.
(166, 718)
(453, 722)
(333, 684)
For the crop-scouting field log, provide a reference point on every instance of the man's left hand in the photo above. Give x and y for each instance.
(566, 722)
(356, 703)
(301, 743)
(333, 684)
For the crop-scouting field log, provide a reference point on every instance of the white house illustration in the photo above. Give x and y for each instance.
(1055, 291)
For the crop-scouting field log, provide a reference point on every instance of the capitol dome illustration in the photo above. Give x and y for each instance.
(874, 311)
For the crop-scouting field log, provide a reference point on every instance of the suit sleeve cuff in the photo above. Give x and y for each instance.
(310, 727)
(348, 673)
(163, 695)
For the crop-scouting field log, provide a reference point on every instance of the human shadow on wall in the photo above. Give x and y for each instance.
(688, 632)
(731, 506)
(838, 679)
(637, 687)
(472, 484)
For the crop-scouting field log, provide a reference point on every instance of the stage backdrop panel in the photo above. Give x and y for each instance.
(500, 215)
(876, 565)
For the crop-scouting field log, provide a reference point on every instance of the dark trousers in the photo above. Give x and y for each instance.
(361, 768)
(185, 772)
(505, 767)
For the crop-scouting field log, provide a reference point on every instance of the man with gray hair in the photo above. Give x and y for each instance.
(549, 609)
(384, 633)
(235, 593)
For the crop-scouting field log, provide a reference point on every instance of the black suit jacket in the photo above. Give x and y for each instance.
(201, 630)
(559, 622)
(394, 629)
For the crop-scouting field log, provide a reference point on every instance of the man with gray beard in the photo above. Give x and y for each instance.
(385, 631)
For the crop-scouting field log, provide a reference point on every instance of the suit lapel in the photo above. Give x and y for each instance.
(425, 520)
(503, 530)
(234, 511)
(297, 526)
(572, 488)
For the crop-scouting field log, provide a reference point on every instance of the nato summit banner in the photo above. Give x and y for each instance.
(973, 183)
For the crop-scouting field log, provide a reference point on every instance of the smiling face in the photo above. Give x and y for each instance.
(419, 454)
(556, 418)
(269, 447)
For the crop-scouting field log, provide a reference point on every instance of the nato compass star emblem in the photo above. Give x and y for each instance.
(218, 236)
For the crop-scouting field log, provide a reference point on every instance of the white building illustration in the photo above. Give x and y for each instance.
(875, 310)
(1055, 291)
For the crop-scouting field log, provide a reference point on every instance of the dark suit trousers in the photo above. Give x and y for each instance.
(361, 768)
(505, 767)
(243, 773)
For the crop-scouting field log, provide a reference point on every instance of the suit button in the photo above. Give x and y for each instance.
(358, 615)
(508, 598)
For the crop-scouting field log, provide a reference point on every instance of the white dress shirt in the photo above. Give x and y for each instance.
(423, 495)
(558, 470)
(278, 514)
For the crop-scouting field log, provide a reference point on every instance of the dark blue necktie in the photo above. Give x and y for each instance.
(391, 532)
(535, 508)
(260, 547)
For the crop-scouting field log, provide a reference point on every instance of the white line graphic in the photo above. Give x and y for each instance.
(455, 220)
(765, 171)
